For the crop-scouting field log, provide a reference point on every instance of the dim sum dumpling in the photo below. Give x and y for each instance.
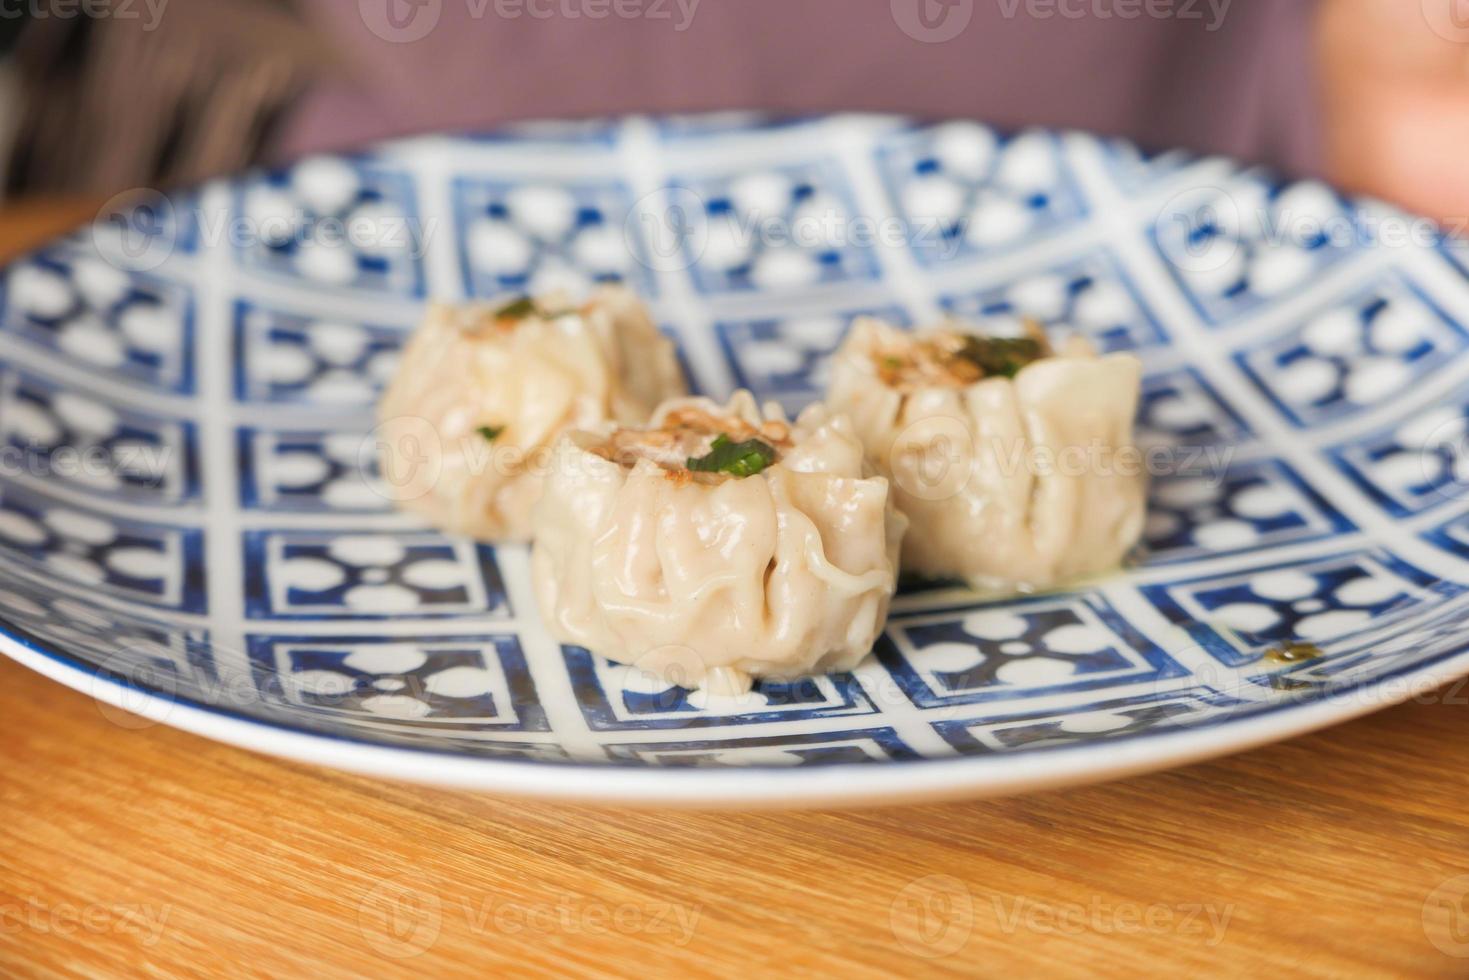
(483, 390)
(719, 545)
(1014, 462)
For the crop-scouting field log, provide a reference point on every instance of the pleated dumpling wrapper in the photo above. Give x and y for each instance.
(1014, 461)
(719, 545)
(482, 391)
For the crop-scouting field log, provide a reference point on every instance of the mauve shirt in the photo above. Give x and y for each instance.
(1212, 76)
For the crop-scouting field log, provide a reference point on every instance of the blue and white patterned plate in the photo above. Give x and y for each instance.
(192, 525)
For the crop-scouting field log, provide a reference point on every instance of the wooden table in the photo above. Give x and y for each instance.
(128, 850)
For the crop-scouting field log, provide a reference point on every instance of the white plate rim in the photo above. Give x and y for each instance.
(756, 787)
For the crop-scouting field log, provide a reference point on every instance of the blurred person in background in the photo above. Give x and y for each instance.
(1373, 94)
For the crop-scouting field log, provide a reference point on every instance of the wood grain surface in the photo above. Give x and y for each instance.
(129, 849)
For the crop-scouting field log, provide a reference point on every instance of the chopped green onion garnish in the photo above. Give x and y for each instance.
(1000, 356)
(735, 458)
(516, 309)
(490, 432)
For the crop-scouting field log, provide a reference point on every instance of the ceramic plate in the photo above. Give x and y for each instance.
(192, 525)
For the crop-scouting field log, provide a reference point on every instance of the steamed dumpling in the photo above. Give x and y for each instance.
(1015, 463)
(483, 390)
(719, 545)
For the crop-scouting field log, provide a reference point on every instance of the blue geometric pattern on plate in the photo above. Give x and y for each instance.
(167, 656)
(334, 222)
(777, 230)
(1234, 248)
(786, 360)
(1415, 464)
(858, 746)
(1236, 616)
(1134, 169)
(150, 229)
(354, 575)
(517, 236)
(315, 470)
(96, 444)
(1245, 507)
(1091, 295)
(78, 548)
(964, 190)
(1304, 418)
(280, 356)
(1456, 247)
(1452, 536)
(681, 354)
(1180, 409)
(1033, 648)
(465, 682)
(618, 696)
(1399, 646)
(1109, 721)
(87, 314)
(1355, 354)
